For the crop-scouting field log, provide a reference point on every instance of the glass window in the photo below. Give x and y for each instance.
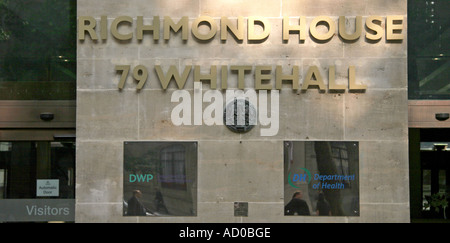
(37, 181)
(173, 167)
(428, 49)
(426, 189)
(321, 178)
(23, 164)
(160, 179)
(37, 49)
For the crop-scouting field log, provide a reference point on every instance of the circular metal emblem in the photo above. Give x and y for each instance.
(239, 116)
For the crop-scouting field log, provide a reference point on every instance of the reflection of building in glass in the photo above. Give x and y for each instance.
(173, 169)
(340, 158)
(428, 57)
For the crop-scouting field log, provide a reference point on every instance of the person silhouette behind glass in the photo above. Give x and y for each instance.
(135, 207)
(323, 207)
(297, 205)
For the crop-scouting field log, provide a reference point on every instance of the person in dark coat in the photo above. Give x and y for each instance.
(323, 207)
(297, 205)
(135, 207)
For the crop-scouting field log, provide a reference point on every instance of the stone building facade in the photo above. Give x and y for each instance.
(321, 84)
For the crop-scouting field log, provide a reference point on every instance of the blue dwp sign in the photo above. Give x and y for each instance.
(140, 178)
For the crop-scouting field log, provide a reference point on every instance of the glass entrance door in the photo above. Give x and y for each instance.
(435, 158)
(37, 180)
(429, 177)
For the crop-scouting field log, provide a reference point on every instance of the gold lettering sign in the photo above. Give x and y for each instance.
(263, 77)
(88, 26)
(204, 29)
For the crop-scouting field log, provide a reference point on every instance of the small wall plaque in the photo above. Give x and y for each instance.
(241, 209)
(240, 108)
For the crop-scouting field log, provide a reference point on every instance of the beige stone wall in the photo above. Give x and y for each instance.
(243, 167)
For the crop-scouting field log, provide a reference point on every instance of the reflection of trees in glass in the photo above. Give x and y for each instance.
(142, 163)
(37, 40)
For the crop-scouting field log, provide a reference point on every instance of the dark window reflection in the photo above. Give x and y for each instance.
(428, 49)
(160, 179)
(173, 167)
(23, 163)
(37, 49)
(321, 178)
